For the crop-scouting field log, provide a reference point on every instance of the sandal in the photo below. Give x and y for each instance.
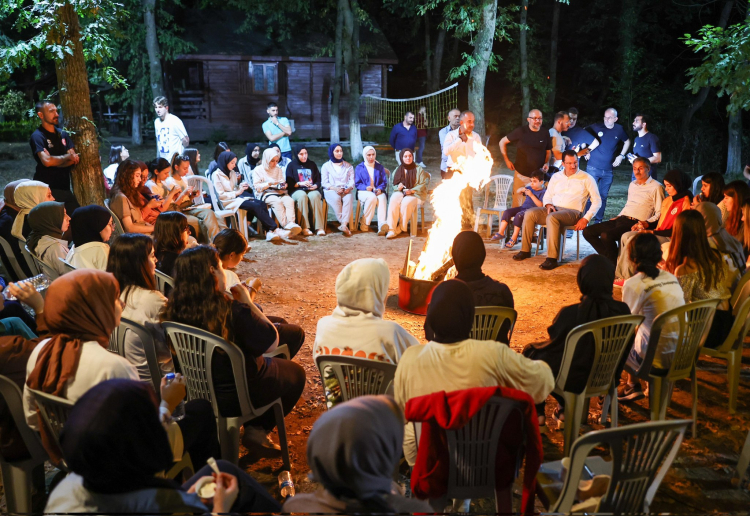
(510, 244)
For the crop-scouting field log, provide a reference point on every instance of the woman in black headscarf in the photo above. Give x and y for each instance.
(595, 278)
(92, 228)
(304, 182)
(114, 444)
(450, 314)
(352, 452)
(468, 255)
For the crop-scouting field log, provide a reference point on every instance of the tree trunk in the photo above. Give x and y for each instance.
(427, 49)
(351, 61)
(703, 93)
(553, 54)
(526, 94)
(437, 60)
(482, 52)
(734, 151)
(137, 136)
(156, 75)
(338, 72)
(73, 84)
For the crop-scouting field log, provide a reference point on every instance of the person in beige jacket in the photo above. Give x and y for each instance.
(409, 190)
(269, 182)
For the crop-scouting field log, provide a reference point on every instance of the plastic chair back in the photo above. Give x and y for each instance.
(489, 319)
(117, 346)
(17, 269)
(14, 401)
(162, 280)
(472, 450)
(641, 456)
(67, 264)
(119, 230)
(54, 411)
(741, 291)
(43, 267)
(697, 185)
(358, 376)
(30, 259)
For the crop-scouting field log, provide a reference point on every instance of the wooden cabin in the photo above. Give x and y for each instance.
(221, 89)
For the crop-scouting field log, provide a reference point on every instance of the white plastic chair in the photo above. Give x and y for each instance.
(195, 350)
(503, 185)
(489, 319)
(697, 185)
(542, 236)
(17, 269)
(358, 376)
(41, 266)
(117, 346)
(17, 481)
(641, 456)
(694, 322)
(67, 264)
(54, 411)
(119, 230)
(237, 217)
(162, 280)
(612, 338)
(29, 257)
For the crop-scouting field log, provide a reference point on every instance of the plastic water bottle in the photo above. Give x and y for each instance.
(179, 412)
(40, 282)
(286, 486)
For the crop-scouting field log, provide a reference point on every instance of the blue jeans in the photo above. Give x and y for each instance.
(420, 141)
(288, 154)
(15, 326)
(603, 180)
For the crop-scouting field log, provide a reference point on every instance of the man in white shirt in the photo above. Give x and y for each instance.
(566, 197)
(171, 136)
(561, 124)
(645, 196)
(453, 123)
(457, 143)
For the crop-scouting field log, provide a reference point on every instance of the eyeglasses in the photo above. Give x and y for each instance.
(535, 118)
(609, 117)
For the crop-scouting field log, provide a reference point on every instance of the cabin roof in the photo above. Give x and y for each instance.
(214, 35)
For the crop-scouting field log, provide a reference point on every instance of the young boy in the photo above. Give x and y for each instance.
(534, 194)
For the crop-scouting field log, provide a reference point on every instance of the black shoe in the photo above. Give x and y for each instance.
(522, 255)
(627, 392)
(548, 264)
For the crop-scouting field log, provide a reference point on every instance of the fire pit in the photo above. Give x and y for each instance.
(414, 294)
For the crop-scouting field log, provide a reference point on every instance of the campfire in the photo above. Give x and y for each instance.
(419, 278)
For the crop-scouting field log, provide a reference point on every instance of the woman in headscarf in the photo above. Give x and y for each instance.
(677, 185)
(91, 227)
(269, 183)
(410, 188)
(595, 278)
(337, 179)
(468, 254)
(356, 327)
(352, 451)
(250, 161)
(81, 310)
(236, 194)
(304, 182)
(8, 214)
(48, 222)
(718, 237)
(115, 446)
(220, 147)
(26, 195)
(283, 161)
(451, 361)
(371, 182)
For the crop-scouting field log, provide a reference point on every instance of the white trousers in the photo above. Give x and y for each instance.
(370, 201)
(283, 208)
(401, 207)
(342, 206)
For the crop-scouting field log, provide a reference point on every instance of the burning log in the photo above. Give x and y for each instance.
(440, 273)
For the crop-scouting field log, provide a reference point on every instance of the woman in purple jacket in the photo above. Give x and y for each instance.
(371, 181)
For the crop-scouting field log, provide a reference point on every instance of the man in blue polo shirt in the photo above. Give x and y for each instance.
(404, 135)
(278, 130)
(646, 144)
(603, 156)
(579, 137)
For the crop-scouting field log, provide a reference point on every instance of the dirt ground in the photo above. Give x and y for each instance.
(298, 284)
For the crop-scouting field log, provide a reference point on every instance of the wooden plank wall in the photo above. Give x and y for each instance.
(237, 113)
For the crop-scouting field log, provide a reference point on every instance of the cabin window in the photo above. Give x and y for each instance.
(263, 77)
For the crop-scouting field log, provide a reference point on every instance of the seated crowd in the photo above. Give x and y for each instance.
(663, 250)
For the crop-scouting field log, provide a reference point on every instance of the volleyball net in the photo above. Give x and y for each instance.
(389, 112)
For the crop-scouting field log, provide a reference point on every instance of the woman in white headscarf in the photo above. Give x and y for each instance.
(371, 182)
(269, 183)
(356, 327)
(27, 195)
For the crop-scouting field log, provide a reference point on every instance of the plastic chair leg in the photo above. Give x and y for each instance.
(17, 486)
(413, 224)
(734, 364)
(615, 406)
(574, 406)
(278, 412)
(694, 389)
(229, 439)
(609, 399)
(660, 391)
(476, 220)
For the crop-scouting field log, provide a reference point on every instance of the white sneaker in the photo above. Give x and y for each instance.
(321, 232)
(345, 230)
(421, 164)
(307, 232)
(382, 230)
(293, 229)
(271, 235)
(283, 233)
(390, 235)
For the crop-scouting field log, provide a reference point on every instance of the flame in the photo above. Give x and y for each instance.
(475, 171)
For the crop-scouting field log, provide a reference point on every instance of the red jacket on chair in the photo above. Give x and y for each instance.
(442, 411)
